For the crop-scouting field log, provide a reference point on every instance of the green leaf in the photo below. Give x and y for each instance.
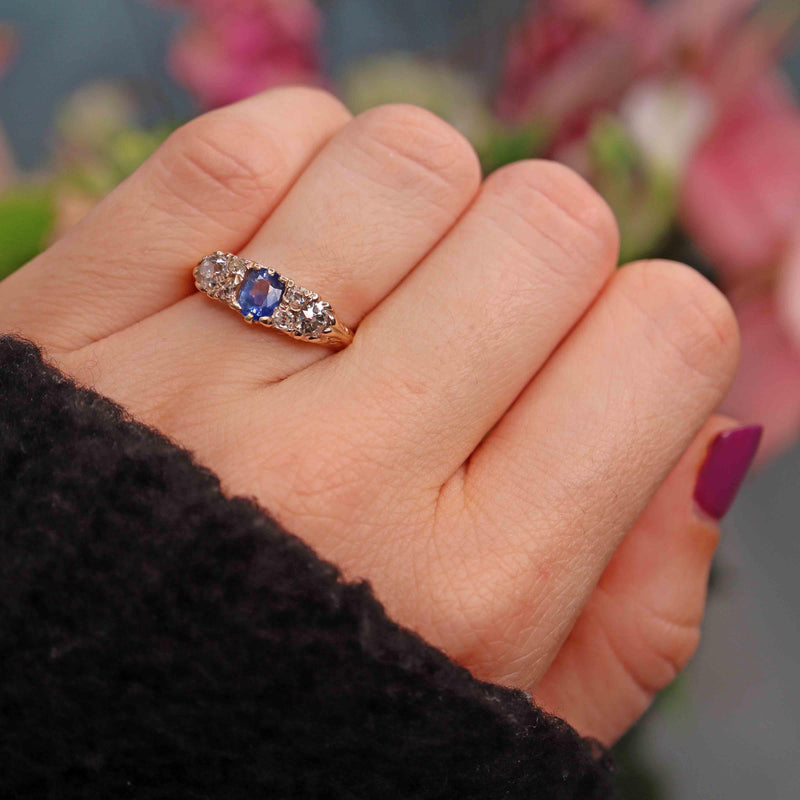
(644, 200)
(26, 219)
(508, 145)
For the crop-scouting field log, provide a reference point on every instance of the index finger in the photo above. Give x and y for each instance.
(210, 186)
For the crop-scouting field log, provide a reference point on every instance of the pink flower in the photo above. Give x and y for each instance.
(741, 194)
(767, 385)
(741, 205)
(235, 48)
(568, 58)
(7, 47)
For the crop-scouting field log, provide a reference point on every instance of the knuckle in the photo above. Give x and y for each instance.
(690, 315)
(411, 144)
(315, 100)
(224, 153)
(548, 203)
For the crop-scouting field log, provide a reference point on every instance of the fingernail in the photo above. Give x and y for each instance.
(729, 457)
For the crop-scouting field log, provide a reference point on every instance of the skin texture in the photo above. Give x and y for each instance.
(508, 449)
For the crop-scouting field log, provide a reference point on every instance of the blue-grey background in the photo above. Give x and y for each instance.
(733, 728)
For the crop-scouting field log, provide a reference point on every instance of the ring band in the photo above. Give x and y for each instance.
(261, 295)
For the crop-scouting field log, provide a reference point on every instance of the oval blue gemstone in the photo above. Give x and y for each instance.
(260, 294)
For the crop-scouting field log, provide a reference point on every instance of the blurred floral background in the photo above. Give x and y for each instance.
(682, 113)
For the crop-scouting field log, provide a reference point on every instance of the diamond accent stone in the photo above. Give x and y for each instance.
(285, 320)
(315, 317)
(209, 273)
(237, 266)
(227, 292)
(295, 298)
(260, 294)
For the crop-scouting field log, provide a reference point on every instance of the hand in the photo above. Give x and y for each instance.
(489, 450)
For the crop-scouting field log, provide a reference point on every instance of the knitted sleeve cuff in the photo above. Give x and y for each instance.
(158, 639)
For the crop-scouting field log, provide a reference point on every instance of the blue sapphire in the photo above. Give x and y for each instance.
(260, 294)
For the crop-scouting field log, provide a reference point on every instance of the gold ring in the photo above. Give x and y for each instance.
(261, 295)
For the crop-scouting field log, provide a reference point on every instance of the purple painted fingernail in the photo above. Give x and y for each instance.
(729, 457)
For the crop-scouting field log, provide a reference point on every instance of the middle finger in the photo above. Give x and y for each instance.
(370, 205)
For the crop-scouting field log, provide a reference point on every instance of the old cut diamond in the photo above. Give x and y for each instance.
(238, 266)
(315, 317)
(208, 273)
(294, 298)
(284, 320)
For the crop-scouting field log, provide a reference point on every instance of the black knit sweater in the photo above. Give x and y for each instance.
(159, 640)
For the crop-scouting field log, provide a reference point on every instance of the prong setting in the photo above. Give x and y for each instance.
(260, 294)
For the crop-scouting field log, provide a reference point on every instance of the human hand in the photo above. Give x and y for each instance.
(503, 420)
